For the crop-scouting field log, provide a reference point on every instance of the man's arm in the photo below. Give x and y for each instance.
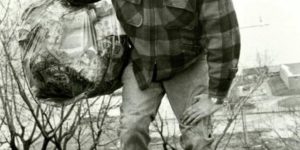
(221, 40)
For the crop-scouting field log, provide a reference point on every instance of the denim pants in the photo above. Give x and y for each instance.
(139, 107)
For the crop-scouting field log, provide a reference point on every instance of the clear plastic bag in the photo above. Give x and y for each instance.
(65, 58)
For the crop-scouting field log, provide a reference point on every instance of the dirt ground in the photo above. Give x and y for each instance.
(255, 141)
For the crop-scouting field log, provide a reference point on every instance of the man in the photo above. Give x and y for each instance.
(186, 49)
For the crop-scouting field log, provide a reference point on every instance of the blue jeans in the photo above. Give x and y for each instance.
(139, 107)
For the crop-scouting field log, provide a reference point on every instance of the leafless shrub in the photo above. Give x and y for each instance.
(159, 125)
(236, 103)
(29, 123)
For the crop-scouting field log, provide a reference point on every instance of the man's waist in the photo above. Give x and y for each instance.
(159, 68)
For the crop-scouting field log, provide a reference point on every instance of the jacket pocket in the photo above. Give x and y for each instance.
(129, 12)
(179, 14)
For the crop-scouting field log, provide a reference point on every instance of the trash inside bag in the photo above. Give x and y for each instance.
(67, 57)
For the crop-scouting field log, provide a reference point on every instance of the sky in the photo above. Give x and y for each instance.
(270, 29)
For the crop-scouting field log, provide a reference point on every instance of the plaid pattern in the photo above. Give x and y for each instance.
(170, 35)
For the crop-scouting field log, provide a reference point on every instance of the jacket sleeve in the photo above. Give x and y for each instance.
(220, 38)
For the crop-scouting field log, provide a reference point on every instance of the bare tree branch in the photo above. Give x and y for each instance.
(6, 11)
(238, 107)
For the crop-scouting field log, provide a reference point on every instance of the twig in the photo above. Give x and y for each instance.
(282, 140)
(101, 124)
(6, 11)
(230, 137)
(237, 110)
(21, 89)
(160, 129)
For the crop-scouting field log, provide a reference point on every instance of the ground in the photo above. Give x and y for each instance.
(270, 122)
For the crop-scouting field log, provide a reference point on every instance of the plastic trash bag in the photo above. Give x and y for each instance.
(67, 56)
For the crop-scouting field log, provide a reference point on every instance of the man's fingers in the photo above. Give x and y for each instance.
(192, 117)
(203, 115)
(196, 112)
(198, 118)
(186, 116)
(187, 113)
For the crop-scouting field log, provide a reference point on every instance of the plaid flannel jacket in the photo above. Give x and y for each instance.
(170, 35)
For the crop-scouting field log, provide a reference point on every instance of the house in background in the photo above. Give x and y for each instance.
(290, 74)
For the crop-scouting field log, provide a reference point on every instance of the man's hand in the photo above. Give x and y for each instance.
(202, 108)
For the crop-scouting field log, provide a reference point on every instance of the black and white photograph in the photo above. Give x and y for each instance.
(149, 75)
